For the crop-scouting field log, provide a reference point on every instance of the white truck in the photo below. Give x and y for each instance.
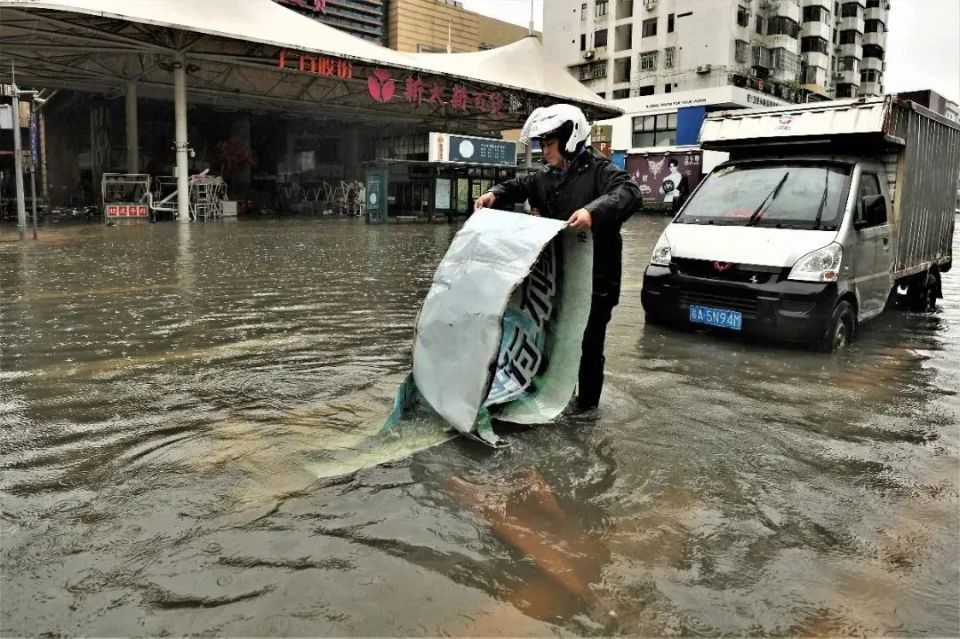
(822, 216)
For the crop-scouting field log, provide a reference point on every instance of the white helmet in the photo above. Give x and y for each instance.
(562, 121)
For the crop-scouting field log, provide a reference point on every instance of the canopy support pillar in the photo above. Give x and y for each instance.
(133, 129)
(182, 145)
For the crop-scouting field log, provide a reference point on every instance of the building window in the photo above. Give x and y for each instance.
(815, 14)
(810, 75)
(620, 94)
(593, 71)
(654, 130)
(741, 51)
(668, 55)
(783, 26)
(846, 91)
(602, 8)
(872, 51)
(873, 4)
(648, 61)
(670, 23)
(760, 25)
(762, 57)
(743, 16)
(583, 41)
(649, 27)
(624, 9)
(813, 44)
(647, 90)
(870, 75)
(873, 26)
(849, 63)
(600, 38)
(623, 37)
(850, 10)
(850, 36)
(622, 69)
(583, 11)
(667, 88)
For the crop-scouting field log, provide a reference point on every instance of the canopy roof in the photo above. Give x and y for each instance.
(256, 54)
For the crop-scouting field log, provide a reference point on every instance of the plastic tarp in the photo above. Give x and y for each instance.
(499, 333)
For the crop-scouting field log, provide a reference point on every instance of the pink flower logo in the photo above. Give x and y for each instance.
(381, 86)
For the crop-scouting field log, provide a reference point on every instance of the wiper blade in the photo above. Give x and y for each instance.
(756, 215)
(823, 200)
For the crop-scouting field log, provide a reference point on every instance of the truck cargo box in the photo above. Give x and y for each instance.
(920, 149)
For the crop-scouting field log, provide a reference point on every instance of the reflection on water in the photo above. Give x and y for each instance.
(189, 418)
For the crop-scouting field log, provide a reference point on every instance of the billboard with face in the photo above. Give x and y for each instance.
(665, 176)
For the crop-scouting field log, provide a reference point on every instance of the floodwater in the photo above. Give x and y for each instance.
(188, 419)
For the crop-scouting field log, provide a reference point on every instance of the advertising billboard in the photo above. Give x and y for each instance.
(664, 176)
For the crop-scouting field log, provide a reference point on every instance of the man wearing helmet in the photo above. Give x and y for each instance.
(581, 186)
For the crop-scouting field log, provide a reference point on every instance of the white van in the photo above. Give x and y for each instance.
(822, 213)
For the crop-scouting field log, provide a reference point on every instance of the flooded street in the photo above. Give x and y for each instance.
(188, 419)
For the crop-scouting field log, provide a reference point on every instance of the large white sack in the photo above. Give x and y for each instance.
(460, 344)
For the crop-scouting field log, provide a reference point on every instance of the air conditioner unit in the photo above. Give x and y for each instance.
(588, 55)
(704, 68)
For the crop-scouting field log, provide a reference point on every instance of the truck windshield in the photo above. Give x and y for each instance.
(807, 196)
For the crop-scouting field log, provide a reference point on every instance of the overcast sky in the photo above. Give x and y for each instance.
(923, 45)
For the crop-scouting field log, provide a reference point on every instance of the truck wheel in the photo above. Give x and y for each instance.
(840, 330)
(922, 292)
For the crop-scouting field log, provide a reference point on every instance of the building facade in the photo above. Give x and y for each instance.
(933, 101)
(785, 48)
(362, 18)
(431, 26)
(419, 26)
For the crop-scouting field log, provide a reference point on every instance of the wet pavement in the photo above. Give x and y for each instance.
(187, 420)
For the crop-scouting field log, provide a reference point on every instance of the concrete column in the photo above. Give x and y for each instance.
(350, 151)
(182, 145)
(133, 129)
(18, 166)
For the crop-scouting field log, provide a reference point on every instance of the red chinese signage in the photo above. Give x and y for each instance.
(127, 210)
(382, 87)
(318, 65)
(310, 5)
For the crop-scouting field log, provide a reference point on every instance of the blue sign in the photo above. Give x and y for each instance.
(34, 139)
(481, 151)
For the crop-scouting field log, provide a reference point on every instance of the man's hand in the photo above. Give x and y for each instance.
(581, 220)
(485, 201)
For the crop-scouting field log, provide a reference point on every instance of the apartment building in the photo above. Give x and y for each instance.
(785, 48)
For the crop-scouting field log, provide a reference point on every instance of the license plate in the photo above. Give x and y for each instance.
(716, 317)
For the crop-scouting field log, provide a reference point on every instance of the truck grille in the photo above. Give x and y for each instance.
(744, 273)
(745, 305)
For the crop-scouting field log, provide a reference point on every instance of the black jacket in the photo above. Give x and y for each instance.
(591, 182)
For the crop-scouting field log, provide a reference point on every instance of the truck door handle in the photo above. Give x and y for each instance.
(886, 241)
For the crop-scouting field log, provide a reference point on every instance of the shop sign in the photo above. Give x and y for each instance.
(413, 89)
(127, 210)
(317, 65)
(377, 189)
(442, 194)
(444, 147)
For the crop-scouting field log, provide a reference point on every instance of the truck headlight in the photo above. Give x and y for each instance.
(661, 252)
(822, 265)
